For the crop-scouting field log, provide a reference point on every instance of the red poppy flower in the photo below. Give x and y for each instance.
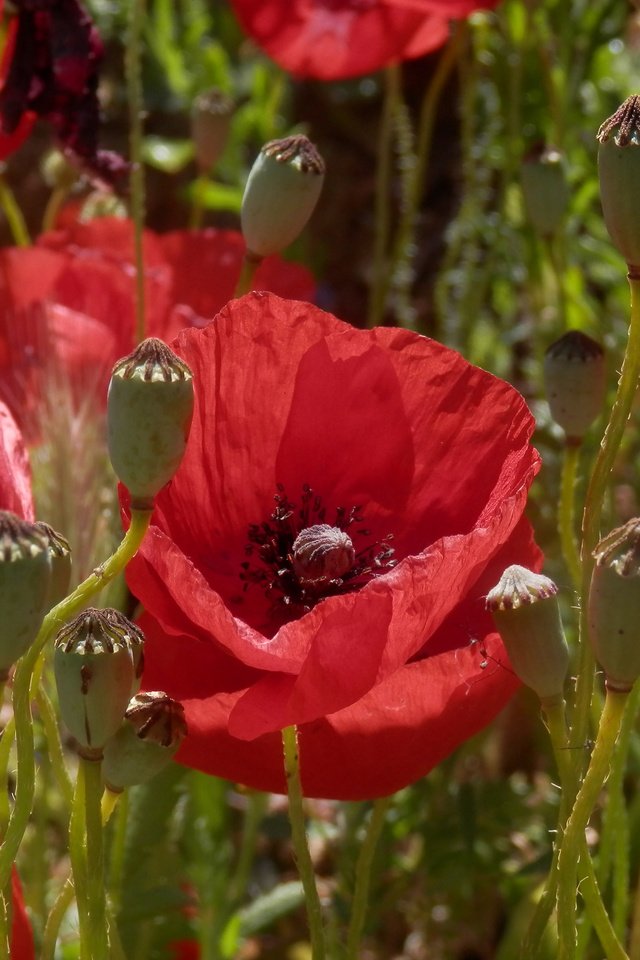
(21, 933)
(69, 302)
(265, 612)
(50, 69)
(15, 474)
(337, 39)
(185, 950)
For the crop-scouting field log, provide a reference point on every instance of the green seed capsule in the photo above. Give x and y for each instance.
(619, 171)
(95, 671)
(281, 194)
(574, 379)
(545, 190)
(60, 554)
(525, 610)
(614, 606)
(25, 574)
(150, 406)
(210, 126)
(147, 741)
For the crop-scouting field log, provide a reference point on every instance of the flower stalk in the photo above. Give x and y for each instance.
(136, 182)
(363, 877)
(300, 845)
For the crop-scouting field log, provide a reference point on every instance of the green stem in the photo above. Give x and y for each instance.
(136, 114)
(572, 843)
(363, 877)
(59, 615)
(6, 743)
(56, 915)
(13, 213)
(383, 180)
(56, 755)
(54, 203)
(301, 848)
(566, 512)
(79, 868)
(250, 828)
(593, 507)
(197, 206)
(118, 847)
(634, 936)
(250, 264)
(95, 895)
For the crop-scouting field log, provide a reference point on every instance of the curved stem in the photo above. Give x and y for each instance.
(13, 213)
(6, 743)
(95, 896)
(572, 843)
(383, 179)
(363, 877)
(593, 506)
(250, 264)
(56, 915)
(52, 209)
(566, 512)
(56, 755)
(136, 114)
(77, 855)
(56, 617)
(301, 848)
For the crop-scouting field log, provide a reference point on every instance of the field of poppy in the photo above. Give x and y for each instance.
(319, 536)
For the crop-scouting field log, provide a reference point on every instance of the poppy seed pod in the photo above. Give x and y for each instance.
(545, 190)
(153, 729)
(525, 611)
(95, 670)
(60, 555)
(25, 573)
(281, 194)
(149, 412)
(614, 606)
(619, 171)
(574, 381)
(210, 125)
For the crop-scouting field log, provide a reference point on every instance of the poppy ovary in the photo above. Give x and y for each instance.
(320, 555)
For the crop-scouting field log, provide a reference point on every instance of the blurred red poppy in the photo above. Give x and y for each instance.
(185, 950)
(68, 303)
(15, 473)
(11, 141)
(338, 39)
(21, 933)
(347, 603)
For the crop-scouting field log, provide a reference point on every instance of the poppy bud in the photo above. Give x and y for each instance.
(25, 572)
(60, 556)
(210, 125)
(614, 606)
(149, 738)
(149, 413)
(525, 611)
(619, 171)
(58, 173)
(574, 379)
(545, 189)
(281, 194)
(94, 670)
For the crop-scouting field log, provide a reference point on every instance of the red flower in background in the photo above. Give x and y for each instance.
(50, 69)
(68, 303)
(362, 641)
(21, 933)
(338, 39)
(15, 473)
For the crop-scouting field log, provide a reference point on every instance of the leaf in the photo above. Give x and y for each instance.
(271, 906)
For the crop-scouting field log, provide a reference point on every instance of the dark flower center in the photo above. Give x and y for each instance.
(298, 558)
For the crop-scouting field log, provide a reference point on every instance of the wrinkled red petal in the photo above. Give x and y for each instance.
(337, 40)
(15, 473)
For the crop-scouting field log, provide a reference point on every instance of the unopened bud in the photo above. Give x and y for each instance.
(619, 171)
(25, 574)
(614, 606)
(153, 729)
(95, 671)
(525, 610)
(575, 383)
(281, 194)
(149, 413)
(210, 126)
(58, 173)
(545, 190)
(60, 555)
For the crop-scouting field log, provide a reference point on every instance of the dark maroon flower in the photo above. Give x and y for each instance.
(51, 71)
(346, 501)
